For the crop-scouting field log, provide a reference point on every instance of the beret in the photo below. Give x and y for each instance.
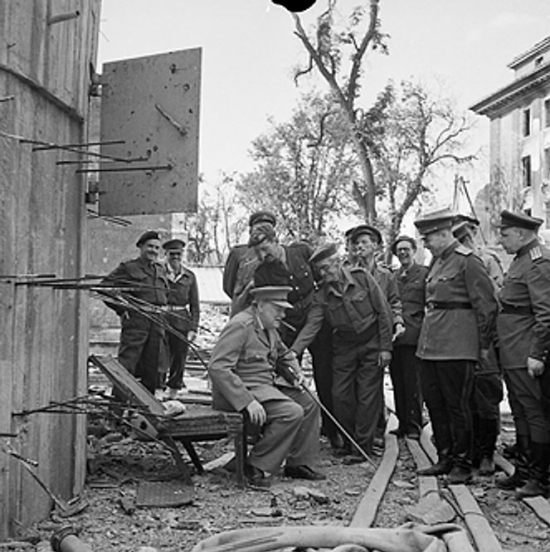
(518, 220)
(412, 241)
(366, 229)
(323, 252)
(146, 236)
(274, 294)
(261, 232)
(173, 244)
(262, 216)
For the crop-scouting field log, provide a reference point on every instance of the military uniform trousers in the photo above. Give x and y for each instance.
(291, 431)
(178, 357)
(142, 349)
(405, 376)
(526, 398)
(447, 387)
(356, 388)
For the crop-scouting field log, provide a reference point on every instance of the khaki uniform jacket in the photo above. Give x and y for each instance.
(184, 292)
(457, 278)
(242, 365)
(360, 307)
(523, 323)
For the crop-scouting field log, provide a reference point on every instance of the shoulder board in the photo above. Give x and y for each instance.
(535, 253)
(461, 250)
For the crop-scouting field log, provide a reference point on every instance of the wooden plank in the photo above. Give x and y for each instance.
(480, 529)
(366, 511)
(426, 483)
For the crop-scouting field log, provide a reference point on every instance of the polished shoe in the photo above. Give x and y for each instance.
(459, 475)
(379, 442)
(413, 435)
(336, 442)
(354, 458)
(532, 488)
(486, 466)
(256, 478)
(344, 451)
(303, 472)
(443, 467)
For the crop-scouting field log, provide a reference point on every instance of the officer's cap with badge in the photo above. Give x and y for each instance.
(323, 252)
(260, 233)
(366, 229)
(174, 244)
(262, 216)
(435, 221)
(518, 220)
(273, 294)
(146, 236)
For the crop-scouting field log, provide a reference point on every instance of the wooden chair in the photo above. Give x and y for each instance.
(197, 423)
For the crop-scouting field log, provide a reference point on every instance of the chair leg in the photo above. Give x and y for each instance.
(193, 455)
(176, 455)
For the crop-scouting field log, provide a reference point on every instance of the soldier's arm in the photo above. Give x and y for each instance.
(230, 272)
(194, 304)
(395, 300)
(313, 324)
(223, 362)
(538, 284)
(481, 292)
(380, 305)
(119, 277)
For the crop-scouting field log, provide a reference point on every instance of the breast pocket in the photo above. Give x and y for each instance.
(361, 303)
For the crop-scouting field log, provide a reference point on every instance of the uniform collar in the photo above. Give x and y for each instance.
(449, 249)
(527, 247)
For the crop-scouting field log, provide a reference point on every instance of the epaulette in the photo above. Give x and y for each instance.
(463, 250)
(535, 253)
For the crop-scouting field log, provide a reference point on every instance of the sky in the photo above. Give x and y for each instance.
(249, 52)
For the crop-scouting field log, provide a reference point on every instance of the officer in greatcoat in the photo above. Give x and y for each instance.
(523, 327)
(183, 313)
(456, 332)
(244, 372)
(142, 348)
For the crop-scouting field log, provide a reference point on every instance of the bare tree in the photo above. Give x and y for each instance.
(327, 51)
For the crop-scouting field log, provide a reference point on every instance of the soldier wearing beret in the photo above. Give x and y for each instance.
(241, 263)
(243, 371)
(183, 313)
(366, 244)
(352, 304)
(404, 366)
(142, 348)
(457, 332)
(523, 327)
(488, 391)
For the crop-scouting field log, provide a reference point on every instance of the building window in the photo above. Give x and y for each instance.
(526, 122)
(547, 113)
(526, 171)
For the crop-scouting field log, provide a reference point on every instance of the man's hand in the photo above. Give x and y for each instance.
(256, 413)
(535, 367)
(484, 355)
(191, 335)
(384, 359)
(399, 331)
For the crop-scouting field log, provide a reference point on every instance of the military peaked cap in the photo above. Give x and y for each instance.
(262, 216)
(368, 230)
(146, 236)
(323, 252)
(434, 221)
(349, 232)
(518, 220)
(261, 232)
(174, 244)
(274, 294)
(412, 241)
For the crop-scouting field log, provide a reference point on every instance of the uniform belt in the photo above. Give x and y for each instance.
(175, 308)
(448, 305)
(512, 309)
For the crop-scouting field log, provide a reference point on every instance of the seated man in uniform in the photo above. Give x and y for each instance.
(243, 372)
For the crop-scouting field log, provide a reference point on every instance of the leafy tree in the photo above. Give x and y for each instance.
(303, 170)
(415, 133)
(338, 55)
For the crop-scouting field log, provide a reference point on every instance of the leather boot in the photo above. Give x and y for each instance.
(443, 467)
(537, 483)
(521, 471)
(487, 446)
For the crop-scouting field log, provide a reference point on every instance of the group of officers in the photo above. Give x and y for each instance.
(449, 334)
